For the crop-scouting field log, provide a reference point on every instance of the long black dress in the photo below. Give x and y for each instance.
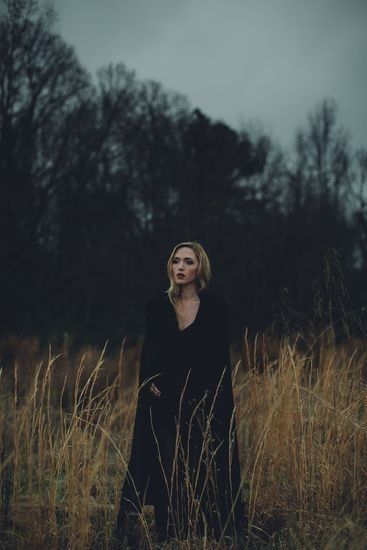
(184, 456)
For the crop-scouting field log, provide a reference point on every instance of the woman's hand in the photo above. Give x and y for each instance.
(154, 390)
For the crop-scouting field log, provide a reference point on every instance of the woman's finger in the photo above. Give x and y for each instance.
(155, 390)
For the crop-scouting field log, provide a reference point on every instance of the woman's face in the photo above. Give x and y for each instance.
(184, 266)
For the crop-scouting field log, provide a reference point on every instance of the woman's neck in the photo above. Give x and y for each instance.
(189, 293)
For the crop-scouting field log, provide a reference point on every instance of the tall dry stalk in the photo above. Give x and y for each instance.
(302, 430)
(303, 435)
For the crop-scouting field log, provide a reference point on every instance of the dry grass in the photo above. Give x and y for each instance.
(65, 431)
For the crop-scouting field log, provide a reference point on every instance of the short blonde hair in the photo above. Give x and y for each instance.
(203, 275)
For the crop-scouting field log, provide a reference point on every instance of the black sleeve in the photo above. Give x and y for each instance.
(148, 351)
(224, 335)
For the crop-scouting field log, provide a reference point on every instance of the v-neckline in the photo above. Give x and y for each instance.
(196, 316)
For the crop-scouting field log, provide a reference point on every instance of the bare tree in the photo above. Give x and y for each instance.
(41, 86)
(323, 155)
(316, 198)
(358, 189)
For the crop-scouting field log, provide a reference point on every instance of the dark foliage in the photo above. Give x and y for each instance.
(99, 178)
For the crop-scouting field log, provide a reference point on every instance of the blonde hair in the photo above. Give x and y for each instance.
(203, 274)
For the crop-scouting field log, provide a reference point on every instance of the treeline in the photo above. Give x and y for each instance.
(101, 175)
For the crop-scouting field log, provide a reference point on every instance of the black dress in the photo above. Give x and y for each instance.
(184, 456)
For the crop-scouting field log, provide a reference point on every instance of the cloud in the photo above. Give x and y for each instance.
(235, 59)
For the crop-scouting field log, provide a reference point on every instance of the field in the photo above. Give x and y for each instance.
(66, 423)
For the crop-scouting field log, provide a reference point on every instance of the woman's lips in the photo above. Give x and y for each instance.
(180, 275)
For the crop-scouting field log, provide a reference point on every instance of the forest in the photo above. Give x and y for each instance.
(102, 174)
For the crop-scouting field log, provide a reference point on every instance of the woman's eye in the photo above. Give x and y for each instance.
(189, 262)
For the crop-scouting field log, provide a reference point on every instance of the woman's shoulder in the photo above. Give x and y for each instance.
(213, 298)
(208, 296)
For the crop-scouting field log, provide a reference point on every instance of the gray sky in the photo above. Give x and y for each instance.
(258, 61)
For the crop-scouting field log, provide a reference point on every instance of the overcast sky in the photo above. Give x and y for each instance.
(262, 61)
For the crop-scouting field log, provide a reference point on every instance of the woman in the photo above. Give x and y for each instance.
(184, 457)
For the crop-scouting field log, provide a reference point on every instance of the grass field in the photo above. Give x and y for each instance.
(66, 424)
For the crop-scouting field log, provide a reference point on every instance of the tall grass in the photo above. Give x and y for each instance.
(302, 430)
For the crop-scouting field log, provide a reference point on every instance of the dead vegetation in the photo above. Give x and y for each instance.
(66, 425)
